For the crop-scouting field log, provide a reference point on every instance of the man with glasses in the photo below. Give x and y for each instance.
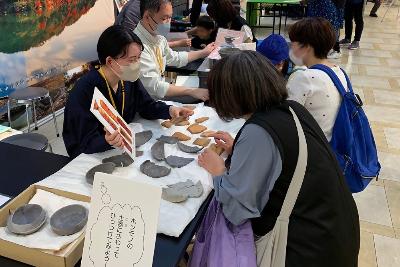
(153, 27)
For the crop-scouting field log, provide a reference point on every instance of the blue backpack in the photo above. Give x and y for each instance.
(352, 138)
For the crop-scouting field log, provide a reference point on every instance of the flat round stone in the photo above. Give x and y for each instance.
(69, 220)
(27, 219)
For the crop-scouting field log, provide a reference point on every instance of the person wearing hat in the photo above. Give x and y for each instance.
(276, 49)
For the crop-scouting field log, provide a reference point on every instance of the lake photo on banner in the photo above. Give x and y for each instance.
(48, 43)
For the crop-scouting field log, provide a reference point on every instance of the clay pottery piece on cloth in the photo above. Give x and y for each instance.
(27, 219)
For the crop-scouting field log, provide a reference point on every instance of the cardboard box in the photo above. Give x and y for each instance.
(66, 257)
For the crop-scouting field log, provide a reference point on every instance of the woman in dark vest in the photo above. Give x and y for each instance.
(253, 182)
(226, 16)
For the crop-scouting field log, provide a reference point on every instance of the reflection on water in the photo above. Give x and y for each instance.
(43, 38)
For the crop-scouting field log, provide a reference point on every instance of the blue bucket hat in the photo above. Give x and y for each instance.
(275, 48)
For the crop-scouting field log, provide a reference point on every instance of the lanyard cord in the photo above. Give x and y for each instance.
(110, 92)
(160, 61)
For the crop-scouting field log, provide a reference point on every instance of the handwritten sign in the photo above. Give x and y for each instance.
(122, 225)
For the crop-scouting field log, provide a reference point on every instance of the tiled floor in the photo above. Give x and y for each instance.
(375, 74)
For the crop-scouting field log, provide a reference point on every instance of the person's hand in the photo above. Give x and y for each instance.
(212, 162)
(185, 43)
(176, 112)
(114, 139)
(199, 93)
(209, 48)
(223, 140)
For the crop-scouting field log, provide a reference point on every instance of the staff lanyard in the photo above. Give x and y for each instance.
(160, 61)
(110, 92)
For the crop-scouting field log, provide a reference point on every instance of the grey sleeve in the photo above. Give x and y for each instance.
(255, 166)
(129, 16)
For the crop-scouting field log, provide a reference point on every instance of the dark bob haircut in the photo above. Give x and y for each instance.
(244, 83)
(151, 5)
(315, 32)
(114, 42)
(205, 22)
(222, 11)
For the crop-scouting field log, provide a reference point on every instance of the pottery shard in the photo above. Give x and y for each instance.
(181, 136)
(178, 120)
(202, 142)
(167, 124)
(143, 137)
(207, 133)
(189, 149)
(168, 139)
(216, 149)
(178, 162)
(157, 151)
(196, 128)
(27, 219)
(69, 220)
(155, 171)
(173, 195)
(201, 120)
(104, 168)
(123, 160)
(188, 188)
(183, 123)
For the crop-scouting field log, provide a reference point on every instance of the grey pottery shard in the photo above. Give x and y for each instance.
(179, 192)
(69, 220)
(178, 162)
(143, 137)
(27, 219)
(157, 151)
(168, 139)
(155, 171)
(173, 195)
(189, 188)
(189, 149)
(123, 160)
(108, 167)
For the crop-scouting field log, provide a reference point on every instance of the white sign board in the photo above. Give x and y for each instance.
(122, 225)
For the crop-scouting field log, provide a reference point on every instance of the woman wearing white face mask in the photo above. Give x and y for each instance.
(119, 52)
(311, 41)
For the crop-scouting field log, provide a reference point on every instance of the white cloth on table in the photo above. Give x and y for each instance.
(174, 217)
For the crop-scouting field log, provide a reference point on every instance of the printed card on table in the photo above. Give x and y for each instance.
(122, 225)
(110, 118)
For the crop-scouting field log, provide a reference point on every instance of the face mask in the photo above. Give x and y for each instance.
(298, 61)
(162, 28)
(130, 73)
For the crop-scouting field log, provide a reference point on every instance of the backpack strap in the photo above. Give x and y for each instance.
(335, 79)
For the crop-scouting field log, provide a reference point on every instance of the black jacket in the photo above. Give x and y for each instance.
(324, 225)
(83, 133)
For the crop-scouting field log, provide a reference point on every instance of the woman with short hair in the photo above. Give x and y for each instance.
(119, 52)
(253, 182)
(311, 40)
